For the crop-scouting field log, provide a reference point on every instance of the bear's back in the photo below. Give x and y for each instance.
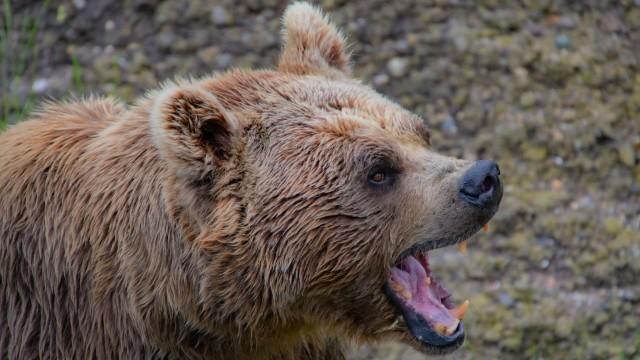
(61, 172)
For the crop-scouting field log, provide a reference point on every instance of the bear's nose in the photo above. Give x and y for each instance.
(480, 185)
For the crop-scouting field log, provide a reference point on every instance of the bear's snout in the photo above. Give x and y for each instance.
(480, 185)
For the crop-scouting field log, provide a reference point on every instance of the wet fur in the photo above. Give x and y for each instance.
(204, 221)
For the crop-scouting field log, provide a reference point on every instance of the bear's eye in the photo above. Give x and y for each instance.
(380, 176)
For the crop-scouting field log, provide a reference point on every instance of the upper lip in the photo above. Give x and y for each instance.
(425, 246)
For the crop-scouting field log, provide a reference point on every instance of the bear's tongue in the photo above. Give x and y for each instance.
(412, 283)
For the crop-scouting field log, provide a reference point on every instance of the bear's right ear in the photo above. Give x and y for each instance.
(312, 44)
(193, 131)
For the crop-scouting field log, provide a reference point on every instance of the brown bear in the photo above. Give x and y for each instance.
(277, 214)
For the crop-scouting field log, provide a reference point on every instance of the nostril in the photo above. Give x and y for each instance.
(488, 184)
(480, 184)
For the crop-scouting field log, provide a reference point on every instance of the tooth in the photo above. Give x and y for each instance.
(396, 286)
(440, 328)
(458, 312)
(462, 246)
(443, 329)
(485, 228)
(453, 327)
(427, 281)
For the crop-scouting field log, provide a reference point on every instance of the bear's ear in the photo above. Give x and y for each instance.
(193, 131)
(311, 43)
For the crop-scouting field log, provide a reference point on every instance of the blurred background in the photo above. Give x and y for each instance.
(550, 89)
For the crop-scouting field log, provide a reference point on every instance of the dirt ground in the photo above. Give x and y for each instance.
(550, 89)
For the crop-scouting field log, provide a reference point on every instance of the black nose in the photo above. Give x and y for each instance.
(480, 185)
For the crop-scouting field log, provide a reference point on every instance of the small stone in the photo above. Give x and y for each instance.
(61, 14)
(627, 155)
(412, 39)
(528, 100)
(224, 60)
(329, 4)
(168, 11)
(402, 47)
(557, 185)
(165, 39)
(535, 29)
(398, 66)
(381, 79)
(139, 61)
(79, 4)
(629, 294)
(144, 77)
(181, 45)
(563, 41)
(109, 25)
(39, 86)
(565, 23)
(449, 126)
(522, 75)
(558, 160)
(505, 299)
(460, 43)
(208, 55)
(220, 16)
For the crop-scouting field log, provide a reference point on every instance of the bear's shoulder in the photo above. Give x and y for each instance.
(92, 109)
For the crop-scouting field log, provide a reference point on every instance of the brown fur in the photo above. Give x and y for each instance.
(221, 218)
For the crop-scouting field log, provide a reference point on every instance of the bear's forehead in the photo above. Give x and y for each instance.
(345, 104)
(359, 107)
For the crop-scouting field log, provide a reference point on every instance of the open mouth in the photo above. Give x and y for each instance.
(427, 307)
(430, 315)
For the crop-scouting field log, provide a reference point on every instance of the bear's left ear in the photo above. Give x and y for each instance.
(192, 130)
(311, 43)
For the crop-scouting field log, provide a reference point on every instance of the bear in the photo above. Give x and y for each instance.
(252, 214)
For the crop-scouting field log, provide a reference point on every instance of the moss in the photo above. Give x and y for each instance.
(612, 226)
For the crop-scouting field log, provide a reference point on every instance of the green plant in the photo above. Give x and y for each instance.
(76, 73)
(18, 46)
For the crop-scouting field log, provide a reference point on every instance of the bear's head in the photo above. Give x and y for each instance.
(310, 202)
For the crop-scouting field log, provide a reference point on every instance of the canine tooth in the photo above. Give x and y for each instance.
(462, 246)
(485, 228)
(458, 312)
(443, 329)
(452, 328)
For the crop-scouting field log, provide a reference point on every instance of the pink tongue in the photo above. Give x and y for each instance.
(415, 291)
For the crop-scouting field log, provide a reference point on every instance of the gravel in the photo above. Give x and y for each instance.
(551, 90)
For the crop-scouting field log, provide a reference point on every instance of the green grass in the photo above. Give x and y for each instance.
(76, 73)
(18, 49)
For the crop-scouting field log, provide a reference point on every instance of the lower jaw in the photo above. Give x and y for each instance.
(419, 334)
(430, 316)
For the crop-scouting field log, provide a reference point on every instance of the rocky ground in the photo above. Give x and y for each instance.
(550, 89)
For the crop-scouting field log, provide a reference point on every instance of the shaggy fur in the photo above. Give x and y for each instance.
(223, 218)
